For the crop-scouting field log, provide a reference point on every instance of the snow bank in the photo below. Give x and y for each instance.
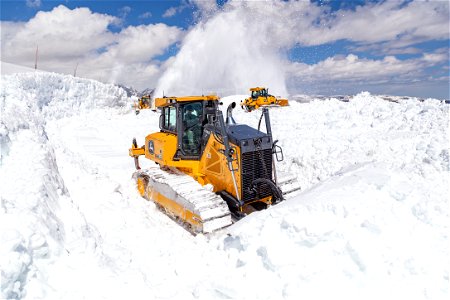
(367, 233)
(371, 221)
(324, 136)
(29, 99)
(7, 68)
(33, 191)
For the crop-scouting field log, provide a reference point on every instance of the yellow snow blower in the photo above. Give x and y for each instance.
(142, 103)
(210, 172)
(260, 97)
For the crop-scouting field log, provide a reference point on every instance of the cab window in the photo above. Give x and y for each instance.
(170, 119)
(192, 128)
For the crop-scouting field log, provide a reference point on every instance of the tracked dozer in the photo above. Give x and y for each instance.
(260, 97)
(209, 172)
(142, 103)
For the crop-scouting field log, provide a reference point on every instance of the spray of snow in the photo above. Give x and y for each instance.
(225, 54)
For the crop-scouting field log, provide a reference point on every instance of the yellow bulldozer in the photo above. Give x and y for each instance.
(143, 102)
(260, 97)
(209, 171)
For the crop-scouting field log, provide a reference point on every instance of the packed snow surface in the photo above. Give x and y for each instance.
(7, 68)
(371, 221)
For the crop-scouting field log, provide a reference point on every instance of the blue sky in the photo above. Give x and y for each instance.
(319, 47)
(19, 10)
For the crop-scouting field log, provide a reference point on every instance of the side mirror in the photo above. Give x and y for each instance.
(161, 121)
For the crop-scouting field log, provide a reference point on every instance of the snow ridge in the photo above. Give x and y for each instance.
(31, 228)
(371, 221)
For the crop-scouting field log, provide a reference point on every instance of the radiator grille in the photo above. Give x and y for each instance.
(256, 164)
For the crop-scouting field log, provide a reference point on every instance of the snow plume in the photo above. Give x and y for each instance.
(33, 191)
(226, 53)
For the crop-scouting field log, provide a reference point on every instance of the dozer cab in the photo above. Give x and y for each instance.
(260, 97)
(210, 172)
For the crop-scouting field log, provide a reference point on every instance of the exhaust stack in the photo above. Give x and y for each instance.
(230, 119)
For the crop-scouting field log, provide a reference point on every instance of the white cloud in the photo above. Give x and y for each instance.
(141, 43)
(61, 34)
(33, 3)
(170, 12)
(307, 24)
(9, 30)
(145, 15)
(66, 37)
(352, 70)
(144, 42)
(124, 11)
(409, 23)
(387, 48)
(351, 74)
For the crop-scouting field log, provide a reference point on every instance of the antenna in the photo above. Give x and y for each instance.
(75, 71)
(36, 57)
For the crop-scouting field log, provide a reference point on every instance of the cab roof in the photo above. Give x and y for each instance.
(257, 89)
(165, 101)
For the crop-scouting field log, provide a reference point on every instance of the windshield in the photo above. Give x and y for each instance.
(192, 128)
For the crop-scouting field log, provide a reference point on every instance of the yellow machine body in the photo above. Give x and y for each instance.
(144, 102)
(260, 97)
(210, 169)
(211, 166)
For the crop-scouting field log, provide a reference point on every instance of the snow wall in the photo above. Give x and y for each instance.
(31, 227)
(371, 221)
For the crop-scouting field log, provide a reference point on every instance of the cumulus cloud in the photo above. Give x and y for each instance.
(69, 37)
(141, 43)
(354, 68)
(61, 34)
(9, 30)
(344, 73)
(129, 60)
